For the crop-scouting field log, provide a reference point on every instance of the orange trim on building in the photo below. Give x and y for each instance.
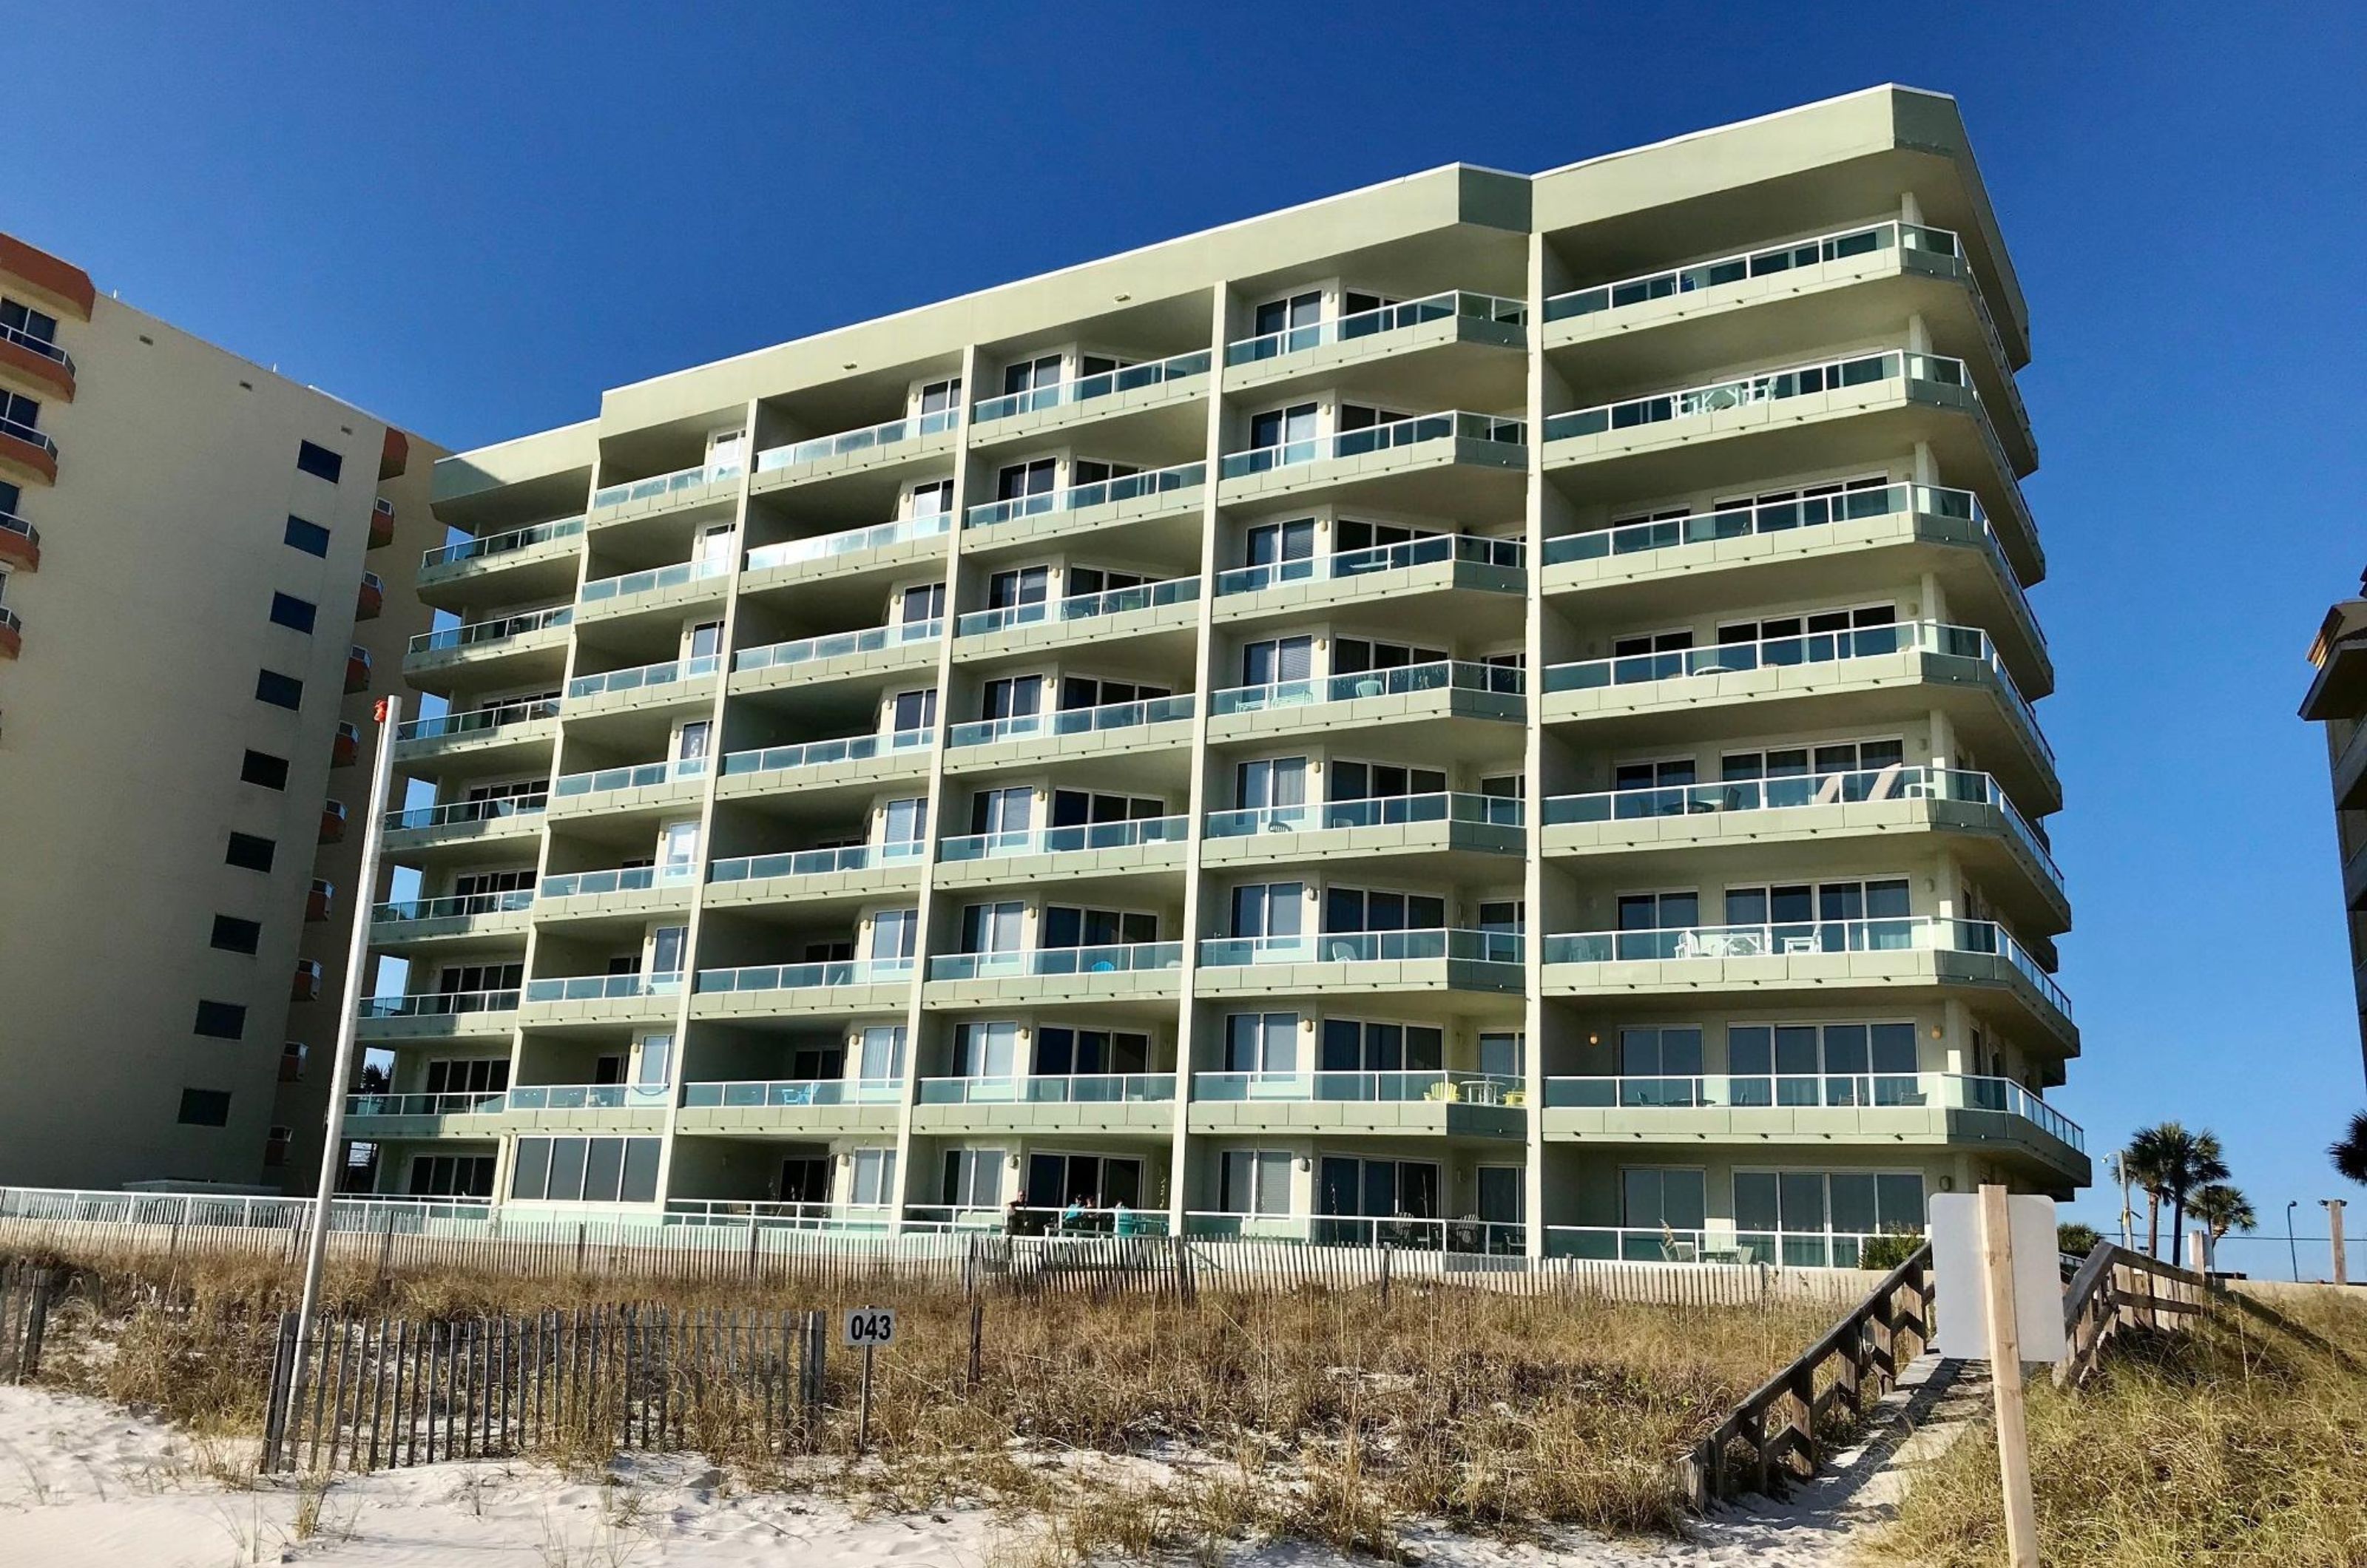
(22, 551)
(40, 368)
(395, 456)
(62, 280)
(16, 451)
(11, 644)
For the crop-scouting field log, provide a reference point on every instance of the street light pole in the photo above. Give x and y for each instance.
(2292, 1247)
(316, 1251)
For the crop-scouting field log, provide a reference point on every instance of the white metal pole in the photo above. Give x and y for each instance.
(390, 715)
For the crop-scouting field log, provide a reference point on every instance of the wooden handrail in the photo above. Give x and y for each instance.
(2103, 1297)
(1779, 1419)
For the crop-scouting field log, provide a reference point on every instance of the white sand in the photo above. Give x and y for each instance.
(84, 1485)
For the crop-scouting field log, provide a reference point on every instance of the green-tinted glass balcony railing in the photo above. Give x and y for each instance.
(1378, 322)
(1085, 389)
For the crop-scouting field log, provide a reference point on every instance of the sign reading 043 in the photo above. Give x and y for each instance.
(868, 1327)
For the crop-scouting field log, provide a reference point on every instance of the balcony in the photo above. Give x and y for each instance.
(675, 681)
(1459, 336)
(811, 1107)
(1173, 384)
(1137, 1105)
(642, 787)
(369, 598)
(1863, 408)
(1804, 291)
(1336, 962)
(332, 822)
(20, 543)
(501, 727)
(472, 915)
(1834, 544)
(1401, 1232)
(837, 656)
(848, 762)
(1428, 1102)
(394, 454)
(1881, 1108)
(1440, 563)
(440, 1015)
(1863, 961)
(674, 587)
(1091, 850)
(910, 440)
(12, 633)
(880, 548)
(1174, 494)
(1426, 698)
(1719, 1242)
(746, 1217)
(40, 361)
(358, 668)
(804, 990)
(505, 643)
(382, 524)
(1131, 972)
(538, 559)
(600, 999)
(28, 453)
(568, 1107)
(1111, 729)
(319, 901)
(1433, 833)
(461, 823)
(1866, 675)
(1446, 463)
(1654, 830)
(851, 872)
(615, 893)
(1138, 611)
(673, 491)
(305, 987)
(345, 744)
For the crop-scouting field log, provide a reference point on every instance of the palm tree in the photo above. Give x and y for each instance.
(2222, 1207)
(2194, 1161)
(2146, 1162)
(2350, 1155)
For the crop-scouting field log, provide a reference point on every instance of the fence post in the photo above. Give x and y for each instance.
(809, 1393)
(275, 1415)
(976, 1323)
(1385, 1275)
(1187, 1290)
(36, 1317)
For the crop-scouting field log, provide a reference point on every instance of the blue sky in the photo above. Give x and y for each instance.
(471, 222)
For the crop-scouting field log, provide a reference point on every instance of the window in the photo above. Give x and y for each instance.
(1084, 581)
(296, 615)
(1504, 1055)
(1376, 1189)
(1271, 663)
(1810, 639)
(1262, 1042)
(985, 1050)
(704, 640)
(21, 322)
(1087, 471)
(249, 853)
(654, 1064)
(1024, 585)
(666, 944)
(895, 933)
(1813, 767)
(1349, 535)
(1070, 927)
(220, 1020)
(471, 885)
(880, 1053)
(1291, 429)
(468, 1075)
(1297, 317)
(1642, 644)
(1355, 656)
(918, 606)
(1280, 544)
(278, 690)
(974, 1178)
(1093, 692)
(1353, 909)
(319, 461)
(1652, 1197)
(1269, 909)
(1657, 911)
(911, 711)
(1661, 1066)
(938, 397)
(233, 935)
(992, 928)
(1080, 808)
(1810, 1202)
(904, 822)
(11, 497)
(1011, 696)
(20, 409)
(1029, 374)
(1061, 1050)
(1270, 782)
(1254, 1181)
(263, 768)
(1357, 1046)
(1021, 480)
(1003, 812)
(1383, 781)
(456, 978)
(451, 1176)
(308, 538)
(871, 1182)
(204, 1108)
(1094, 1181)
(1822, 1064)
(585, 1170)
(932, 499)
(1833, 916)
(1673, 773)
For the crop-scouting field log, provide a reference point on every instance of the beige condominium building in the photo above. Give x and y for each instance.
(1489, 712)
(2337, 699)
(190, 637)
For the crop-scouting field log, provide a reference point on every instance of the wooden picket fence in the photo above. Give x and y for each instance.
(1858, 1361)
(644, 1259)
(27, 1291)
(380, 1393)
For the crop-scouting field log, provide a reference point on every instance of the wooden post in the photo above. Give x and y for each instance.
(2334, 1225)
(2005, 1379)
(863, 1420)
(977, 1322)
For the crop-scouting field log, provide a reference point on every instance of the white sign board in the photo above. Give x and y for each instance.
(1960, 1278)
(868, 1327)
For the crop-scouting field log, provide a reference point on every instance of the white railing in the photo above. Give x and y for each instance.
(1375, 322)
(1080, 606)
(1784, 939)
(1381, 811)
(1725, 270)
(837, 645)
(1076, 498)
(818, 863)
(501, 543)
(751, 1093)
(50, 351)
(619, 879)
(1070, 1089)
(641, 775)
(438, 1004)
(633, 583)
(481, 632)
(27, 433)
(662, 485)
(535, 1097)
(418, 817)
(851, 541)
(1831, 1092)
(501, 716)
(1127, 835)
(1452, 425)
(1439, 675)
(1721, 1241)
(742, 1214)
(641, 677)
(1410, 1085)
(1362, 947)
(1084, 389)
(604, 987)
(1761, 387)
(1140, 957)
(347, 1212)
(459, 906)
(1401, 1232)
(805, 976)
(889, 433)
(1430, 550)
(814, 753)
(1073, 721)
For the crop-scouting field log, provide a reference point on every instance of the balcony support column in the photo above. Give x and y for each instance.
(1918, 335)
(1927, 468)
(1911, 210)
(1545, 274)
(1944, 739)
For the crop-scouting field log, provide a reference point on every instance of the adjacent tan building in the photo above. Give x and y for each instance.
(2337, 699)
(1489, 712)
(189, 630)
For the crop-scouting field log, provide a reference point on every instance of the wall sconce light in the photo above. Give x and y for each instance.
(1947, 1184)
(1305, 1162)
(845, 1157)
(1594, 1038)
(1935, 1031)
(1013, 1160)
